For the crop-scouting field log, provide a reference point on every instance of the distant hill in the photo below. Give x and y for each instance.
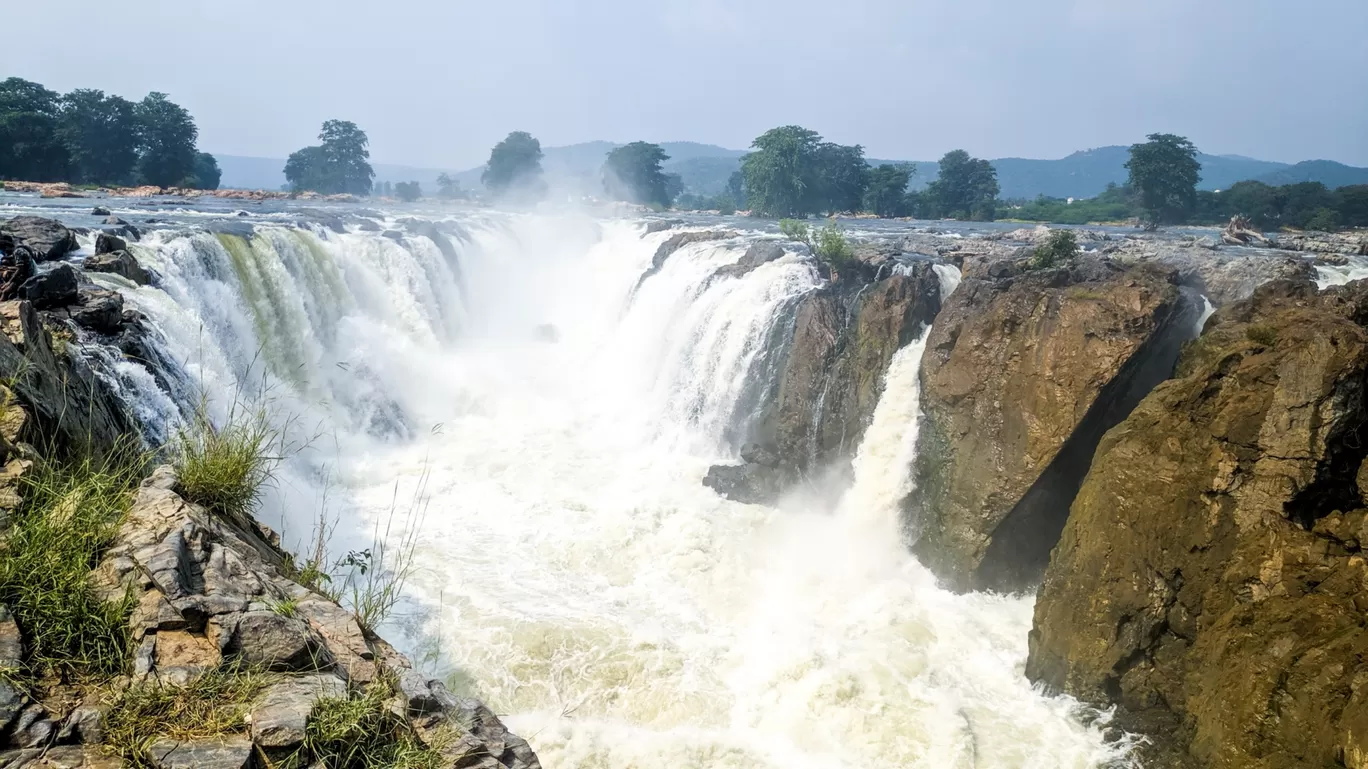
(1327, 172)
(705, 168)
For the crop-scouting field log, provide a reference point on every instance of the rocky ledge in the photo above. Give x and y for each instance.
(1210, 580)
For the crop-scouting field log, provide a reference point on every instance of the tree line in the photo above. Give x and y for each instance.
(88, 137)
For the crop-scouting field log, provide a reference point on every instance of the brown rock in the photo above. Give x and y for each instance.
(1023, 373)
(1208, 580)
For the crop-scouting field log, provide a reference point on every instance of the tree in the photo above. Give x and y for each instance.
(967, 188)
(1060, 246)
(886, 195)
(207, 173)
(408, 191)
(514, 168)
(632, 173)
(842, 175)
(1352, 204)
(29, 147)
(166, 138)
(448, 187)
(736, 188)
(341, 164)
(1165, 172)
(780, 176)
(101, 135)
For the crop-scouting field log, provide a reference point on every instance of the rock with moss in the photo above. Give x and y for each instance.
(1211, 580)
(1023, 373)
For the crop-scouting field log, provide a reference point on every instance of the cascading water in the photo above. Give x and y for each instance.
(571, 569)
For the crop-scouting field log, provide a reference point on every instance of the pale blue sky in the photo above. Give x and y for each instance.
(437, 82)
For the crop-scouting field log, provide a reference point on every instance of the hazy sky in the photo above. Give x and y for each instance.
(437, 82)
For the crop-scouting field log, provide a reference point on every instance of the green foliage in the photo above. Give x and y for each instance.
(212, 705)
(828, 244)
(408, 191)
(794, 173)
(1324, 220)
(101, 135)
(167, 136)
(29, 147)
(363, 732)
(341, 164)
(207, 174)
(1059, 247)
(966, 189)
(722, 204)
(633, 173)
(1165, 172)
(1259, 334)
(514, 170)
(1114, 205)
(886, 195)
(225, 468)
(70, 514)
(736, 188)
(842, 176)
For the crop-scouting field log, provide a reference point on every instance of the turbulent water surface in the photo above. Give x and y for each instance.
(544, 424)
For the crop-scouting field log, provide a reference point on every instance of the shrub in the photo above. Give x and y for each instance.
(213, 705)
(1262, 335)
(828, 243)
(69, 515)
(1059, 247)
(225, 468)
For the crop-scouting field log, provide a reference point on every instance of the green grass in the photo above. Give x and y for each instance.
(1059, 247)
(361, 732)
(213, 705)
(224, 468)
(70, 514)
(285, 607)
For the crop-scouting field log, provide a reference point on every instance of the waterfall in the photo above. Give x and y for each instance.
(571, 569)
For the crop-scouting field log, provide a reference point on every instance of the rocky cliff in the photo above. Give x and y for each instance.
(830, 380)
(1210, 579)
(1024, 371)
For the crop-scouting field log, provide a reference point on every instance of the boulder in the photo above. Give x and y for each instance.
(119, 263)
(661, 225)
(47, 238)
(1211, 578)
(55, 288)
(270, 641)
(99, 211)
(678, 241)
(98, 309)
(107, 243)
(756, 255)
(1023, 373)
(1240, 232)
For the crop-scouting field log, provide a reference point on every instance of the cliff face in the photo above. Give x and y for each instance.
(844, 337)
(1210, 579)
(1023, 372)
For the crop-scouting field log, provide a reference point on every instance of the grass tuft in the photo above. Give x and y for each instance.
(70, 514)
(224, 468)
(363, 732)
(213, 705)
(1262, 335)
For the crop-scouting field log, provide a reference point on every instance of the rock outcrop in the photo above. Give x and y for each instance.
(119, 263)
(1023, 373)
(47, 239)
(830, 378)
(1211, 580)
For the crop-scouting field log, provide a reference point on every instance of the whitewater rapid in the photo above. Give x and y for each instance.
(571, 570)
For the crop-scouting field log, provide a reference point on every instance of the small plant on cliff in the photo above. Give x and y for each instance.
(373, 580)
(213, 705)
(1059, 247)
(828, 243)
(224, 467)
(1262, 335)
(363, 732)
(69, 515)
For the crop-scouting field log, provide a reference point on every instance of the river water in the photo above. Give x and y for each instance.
(537, 426)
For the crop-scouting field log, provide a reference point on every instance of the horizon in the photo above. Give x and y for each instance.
(436, 85)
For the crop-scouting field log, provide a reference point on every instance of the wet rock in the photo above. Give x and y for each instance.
(99, 211)
(756, 255)
(677, 242)
(748, 483)
(224, 753)
(47, 238)
(98, 309)
(366, 225)
(394, 235)
(55, 288)
(1023, 373)
(106, 243)
(281, 717)
(661, 226)
(1209, 580)
(119, 263)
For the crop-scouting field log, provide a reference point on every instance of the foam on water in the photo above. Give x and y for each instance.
(571, 569)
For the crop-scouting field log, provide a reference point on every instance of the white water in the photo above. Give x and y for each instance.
(1354, 268)
(572, 570)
